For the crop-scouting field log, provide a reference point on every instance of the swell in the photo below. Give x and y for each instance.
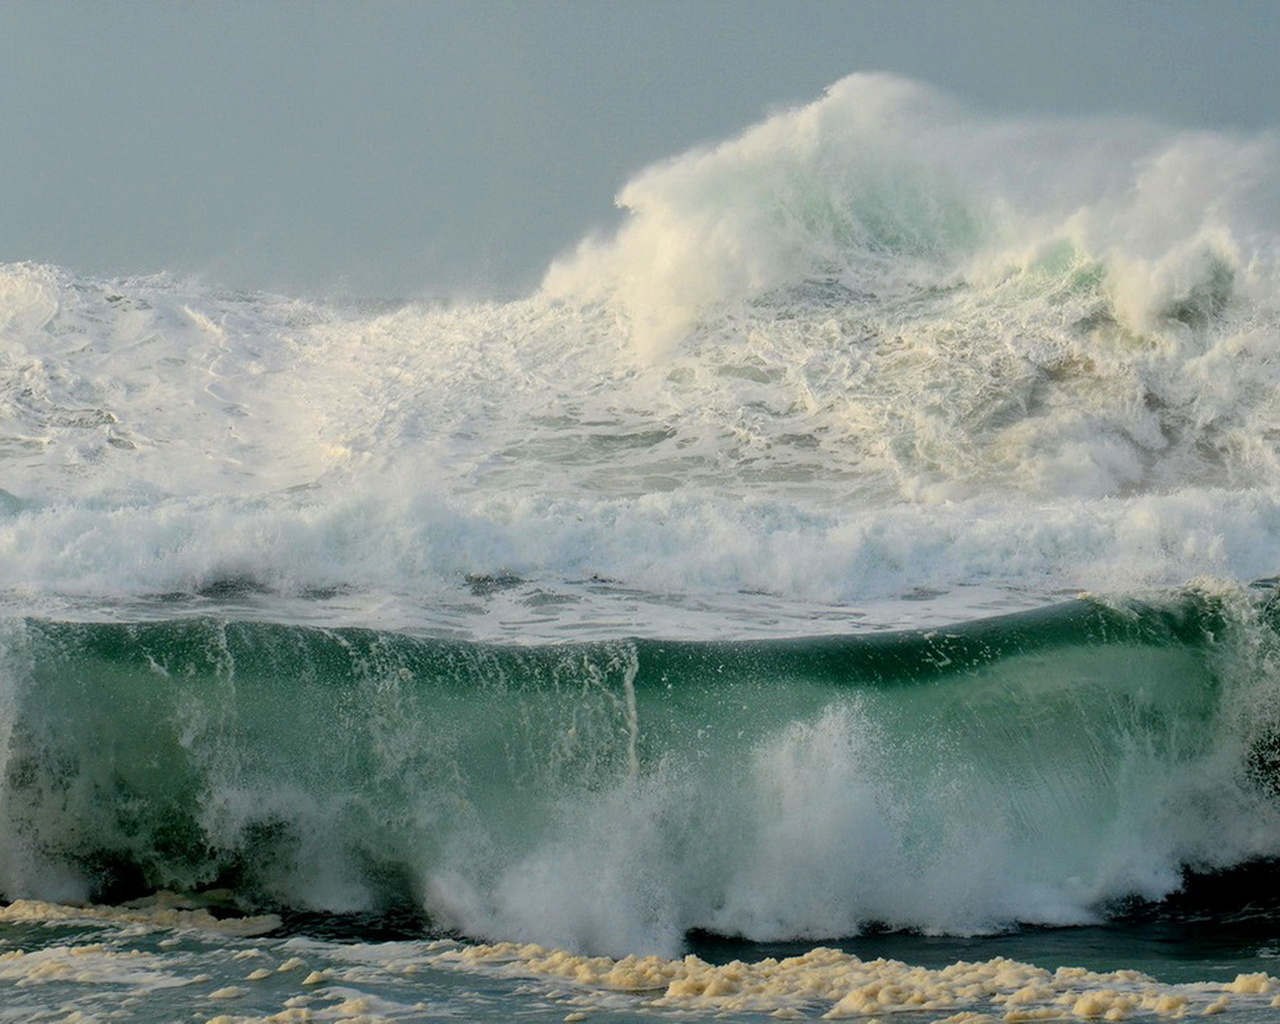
(614, 796)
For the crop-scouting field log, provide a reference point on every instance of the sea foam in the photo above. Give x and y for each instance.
(874, 343)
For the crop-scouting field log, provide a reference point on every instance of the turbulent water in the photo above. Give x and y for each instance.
(869, 542)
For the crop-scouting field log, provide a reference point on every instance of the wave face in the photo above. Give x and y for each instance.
(507, 609)
(613, 796)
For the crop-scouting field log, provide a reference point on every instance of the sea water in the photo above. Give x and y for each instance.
(844, 590)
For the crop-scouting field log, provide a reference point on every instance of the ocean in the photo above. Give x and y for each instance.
(849, 588)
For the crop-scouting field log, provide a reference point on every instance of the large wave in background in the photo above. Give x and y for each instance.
(873, 343)
(877, 362)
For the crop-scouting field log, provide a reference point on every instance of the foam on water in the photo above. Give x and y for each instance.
(94, 970)
(874, 343)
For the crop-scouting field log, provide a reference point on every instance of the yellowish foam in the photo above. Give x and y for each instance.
(838, 985)
(163, 910)
(87, 964)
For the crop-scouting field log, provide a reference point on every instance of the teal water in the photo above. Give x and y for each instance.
(1049, 761)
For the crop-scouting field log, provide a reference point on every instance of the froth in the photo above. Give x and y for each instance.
(843, 186)
(884, 184)
(873, 343)
(838, 986)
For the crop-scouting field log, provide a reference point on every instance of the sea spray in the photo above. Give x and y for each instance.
(829, 360)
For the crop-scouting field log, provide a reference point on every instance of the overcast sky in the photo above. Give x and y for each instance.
(372, 147)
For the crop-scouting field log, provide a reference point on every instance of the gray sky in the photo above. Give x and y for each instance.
(396, 148)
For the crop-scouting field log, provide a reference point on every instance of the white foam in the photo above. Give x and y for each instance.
(1016, 405)
(874, 343)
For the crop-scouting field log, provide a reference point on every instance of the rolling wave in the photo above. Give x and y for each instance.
(613, 796)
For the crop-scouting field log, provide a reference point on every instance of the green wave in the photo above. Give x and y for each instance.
(350, 769)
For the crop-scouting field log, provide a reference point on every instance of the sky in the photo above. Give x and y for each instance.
(385, 148)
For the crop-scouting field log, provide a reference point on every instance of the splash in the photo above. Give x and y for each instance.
(885, 185)
(875, 346)
(612, 797)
